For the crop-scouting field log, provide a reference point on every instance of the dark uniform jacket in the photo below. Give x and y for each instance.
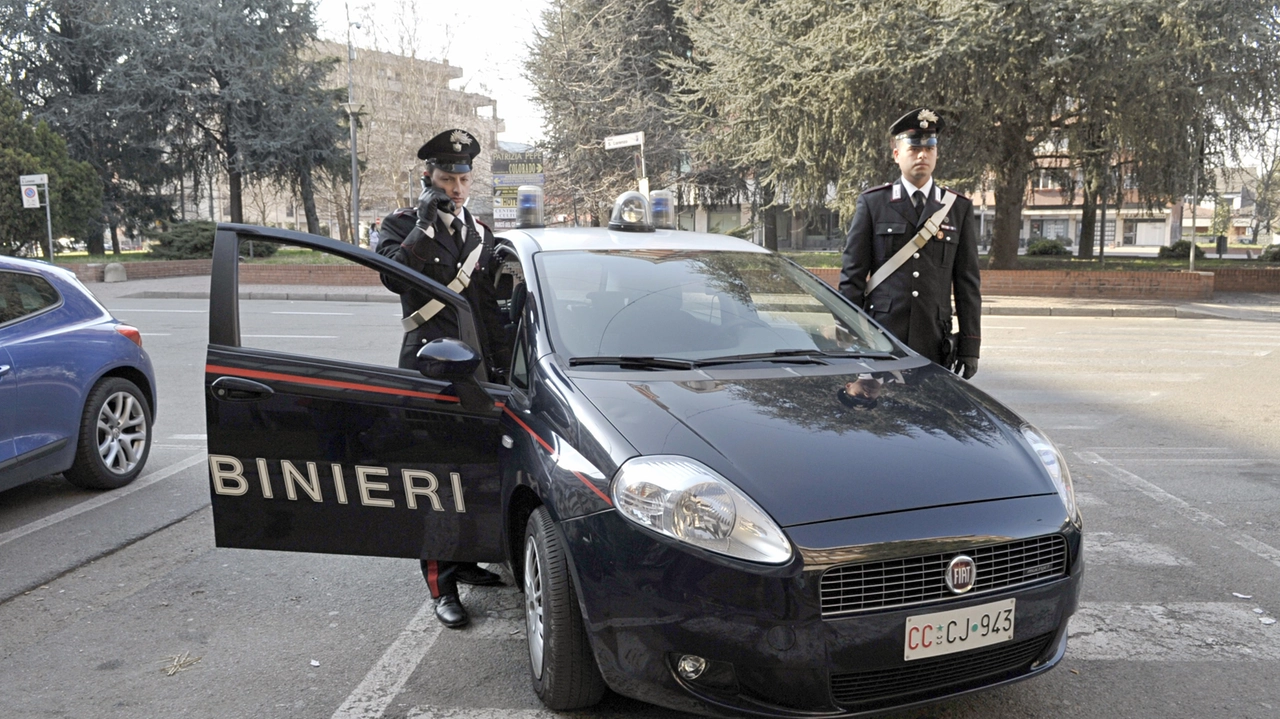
(440, 257)
(914, 303)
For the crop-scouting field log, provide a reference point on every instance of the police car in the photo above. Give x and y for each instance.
(722, 488)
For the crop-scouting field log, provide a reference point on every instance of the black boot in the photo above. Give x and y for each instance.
(474, 574)
(450, 612)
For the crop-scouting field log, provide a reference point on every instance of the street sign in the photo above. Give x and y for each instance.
(33, 179)
(615, 141)
(30, 196)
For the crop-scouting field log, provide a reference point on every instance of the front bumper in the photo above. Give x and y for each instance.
(647, 601)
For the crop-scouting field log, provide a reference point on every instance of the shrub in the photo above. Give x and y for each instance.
(1047, 247)
(194, 241)
(1179, 250)
(1270, 254)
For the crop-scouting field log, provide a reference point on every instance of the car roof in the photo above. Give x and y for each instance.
(553, 239)
(37, 266)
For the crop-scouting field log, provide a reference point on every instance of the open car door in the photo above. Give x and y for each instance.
(318, 442)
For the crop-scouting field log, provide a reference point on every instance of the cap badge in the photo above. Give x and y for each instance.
(926, 117)
(459, 138)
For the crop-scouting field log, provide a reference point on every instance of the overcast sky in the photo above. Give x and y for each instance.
(486, 38)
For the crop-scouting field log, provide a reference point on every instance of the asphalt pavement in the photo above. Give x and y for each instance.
(1224, 305)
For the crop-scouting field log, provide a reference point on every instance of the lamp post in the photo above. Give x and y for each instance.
(351, 109)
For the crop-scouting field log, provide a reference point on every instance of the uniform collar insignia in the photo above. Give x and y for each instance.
(897, 190)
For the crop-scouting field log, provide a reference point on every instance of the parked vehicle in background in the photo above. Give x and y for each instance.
(77, 391)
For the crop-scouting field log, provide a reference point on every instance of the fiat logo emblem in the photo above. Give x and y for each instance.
(961, 574)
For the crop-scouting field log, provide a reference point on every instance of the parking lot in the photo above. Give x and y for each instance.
(118, 605)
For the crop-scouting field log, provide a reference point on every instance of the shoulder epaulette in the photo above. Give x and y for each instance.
(959, 195)
(878, 188)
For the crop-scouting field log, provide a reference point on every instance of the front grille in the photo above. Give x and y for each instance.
(914, 580)
(926, 678)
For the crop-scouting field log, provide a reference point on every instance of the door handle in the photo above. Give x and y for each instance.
(238, 389)
(4, 369)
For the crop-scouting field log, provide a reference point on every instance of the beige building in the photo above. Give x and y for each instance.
(401, 102)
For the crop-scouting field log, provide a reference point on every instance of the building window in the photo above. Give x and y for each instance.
(1050, 229)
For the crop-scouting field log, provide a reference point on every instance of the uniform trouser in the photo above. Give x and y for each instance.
(441, 576)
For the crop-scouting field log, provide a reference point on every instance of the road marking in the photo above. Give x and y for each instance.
(101, 499)
(469, 713)
(139, 309)
(383, 683)
(1129, 549)
(335, 314)
(298, 337)
(1172, 632)
(1181, 506)
(157, 334)
(188, 436)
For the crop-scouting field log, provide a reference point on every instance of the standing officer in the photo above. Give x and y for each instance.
(451, 247)
(904, 255)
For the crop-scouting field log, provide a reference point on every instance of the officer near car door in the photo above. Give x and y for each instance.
(447, 244)
(913, 245)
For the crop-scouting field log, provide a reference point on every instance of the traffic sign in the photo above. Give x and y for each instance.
(628, 140)
(33, 179)
(30, 196)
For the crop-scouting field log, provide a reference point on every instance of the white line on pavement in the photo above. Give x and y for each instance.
(336, 314)
(296, 337)
(1181, 506)
(383, 683)
(101, 499)
(199, 436)
(1173, 632)
(139, 309)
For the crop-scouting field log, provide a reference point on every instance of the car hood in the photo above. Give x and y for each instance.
(904, 439)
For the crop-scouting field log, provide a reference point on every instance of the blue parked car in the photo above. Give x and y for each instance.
(77, 392)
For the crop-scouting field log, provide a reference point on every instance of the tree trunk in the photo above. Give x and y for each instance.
(307, 187)
(233, 191)
(1088, 222)
(1010, 191)
(770, 218)
(94, 242)
(115, 237)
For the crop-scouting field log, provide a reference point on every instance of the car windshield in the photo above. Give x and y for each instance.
(695, 305)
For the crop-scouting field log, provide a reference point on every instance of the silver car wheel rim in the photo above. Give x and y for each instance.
(533, 606)
(122, 433)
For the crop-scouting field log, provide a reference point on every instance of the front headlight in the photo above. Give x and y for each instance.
(687, 500)
(1055, 464)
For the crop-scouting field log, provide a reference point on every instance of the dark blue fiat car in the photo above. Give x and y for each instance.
(722, 487)
(77, 392)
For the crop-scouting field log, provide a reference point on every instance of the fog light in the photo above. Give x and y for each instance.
(691, 667)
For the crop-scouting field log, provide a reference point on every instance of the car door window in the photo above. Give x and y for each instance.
(307, 302)
(23, 294)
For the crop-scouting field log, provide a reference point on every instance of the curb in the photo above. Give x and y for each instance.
(258, 295)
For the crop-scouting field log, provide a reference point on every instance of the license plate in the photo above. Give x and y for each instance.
(932, 635)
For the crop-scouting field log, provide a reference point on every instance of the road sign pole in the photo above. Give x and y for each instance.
(48, 221)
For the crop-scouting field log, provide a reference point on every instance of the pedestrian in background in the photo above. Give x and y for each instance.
(911, 247)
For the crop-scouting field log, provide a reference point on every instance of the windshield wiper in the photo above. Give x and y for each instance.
(634, 362)
(796, 355)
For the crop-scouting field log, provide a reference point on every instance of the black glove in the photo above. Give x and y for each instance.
(431, 201)
(966, 366)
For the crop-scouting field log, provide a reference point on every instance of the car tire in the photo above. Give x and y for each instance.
(563, 669)
(115, 436)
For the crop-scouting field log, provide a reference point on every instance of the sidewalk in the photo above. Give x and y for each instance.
(1224, 305)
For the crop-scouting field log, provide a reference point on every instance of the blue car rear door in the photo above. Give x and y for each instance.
(318, 442)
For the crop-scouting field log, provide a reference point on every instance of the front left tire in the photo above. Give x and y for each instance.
(115, 436)
(563, 669)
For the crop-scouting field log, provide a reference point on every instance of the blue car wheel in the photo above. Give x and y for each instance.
(115, 436)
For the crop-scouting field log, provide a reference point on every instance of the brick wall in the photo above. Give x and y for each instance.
(1233, 279)
(344, 275)
(1098, 285)
(92, 272)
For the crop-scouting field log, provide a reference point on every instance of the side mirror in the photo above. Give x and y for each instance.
(447, 359)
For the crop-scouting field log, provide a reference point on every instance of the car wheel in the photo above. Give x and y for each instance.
(115, 436)
(564, 671)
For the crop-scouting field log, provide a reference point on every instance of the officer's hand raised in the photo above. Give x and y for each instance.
(966, 366)
(430, 202)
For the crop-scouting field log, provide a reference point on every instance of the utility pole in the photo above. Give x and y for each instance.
(351, 120)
